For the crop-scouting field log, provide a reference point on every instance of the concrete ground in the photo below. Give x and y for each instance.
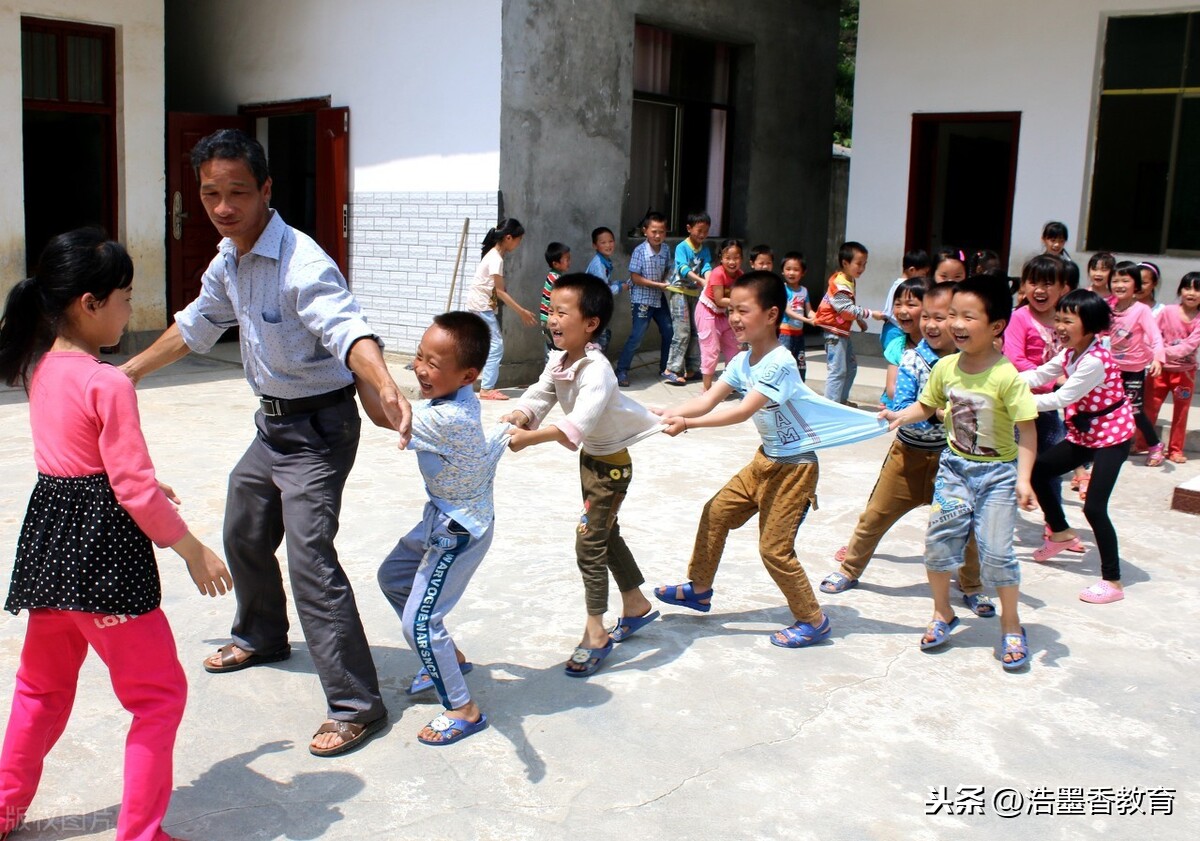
(695, 728)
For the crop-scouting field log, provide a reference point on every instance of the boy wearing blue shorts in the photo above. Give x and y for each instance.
(427, 572)
(983, 469)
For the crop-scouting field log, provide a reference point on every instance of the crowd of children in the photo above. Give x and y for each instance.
(974, 389)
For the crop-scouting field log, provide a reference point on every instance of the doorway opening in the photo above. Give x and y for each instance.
(962, 178)
(68, 86)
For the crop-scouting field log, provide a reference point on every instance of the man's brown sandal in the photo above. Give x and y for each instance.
(352, 733)
(234, 658)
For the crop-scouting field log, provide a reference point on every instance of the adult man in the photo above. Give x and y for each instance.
(304, 344)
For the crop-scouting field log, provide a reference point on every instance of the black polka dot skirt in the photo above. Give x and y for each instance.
(80, 550)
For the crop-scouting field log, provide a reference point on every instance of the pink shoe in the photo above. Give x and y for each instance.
(1177, 458)
(1155, 457)
(1076, 547)
(1102, 592)
(492, 394)
(840, 555)
(1050, 548)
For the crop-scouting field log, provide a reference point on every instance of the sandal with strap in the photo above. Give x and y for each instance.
(590, 659)
(1155, 457)
(980, 604)
(1102, 592)
(1077, 547)
(628, 626)
(801, 634)
(669, 594)
(671, 378)
(836, 582)
(453, 730)
(352, 733)
(422, 682)
(1016, 646)
(1050, 548)
(233, 658)
(940, 631)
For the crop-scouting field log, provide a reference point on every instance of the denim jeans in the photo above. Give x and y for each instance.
(974, 497)
(643, 314)
(684, 355)
(841, 367)
(491, 370)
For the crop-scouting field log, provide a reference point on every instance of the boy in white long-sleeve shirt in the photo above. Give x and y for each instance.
(601, 423)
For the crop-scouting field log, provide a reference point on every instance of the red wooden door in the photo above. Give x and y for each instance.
(191, 238)
(333, 185)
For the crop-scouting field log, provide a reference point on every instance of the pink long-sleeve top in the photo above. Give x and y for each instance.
(1181, 338)
(85, 421)
(1029, 344)
(1134, 338)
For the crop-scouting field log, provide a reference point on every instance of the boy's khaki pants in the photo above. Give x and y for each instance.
(905, 482)
(781, 495)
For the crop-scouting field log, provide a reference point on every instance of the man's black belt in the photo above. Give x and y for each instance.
(274, 407)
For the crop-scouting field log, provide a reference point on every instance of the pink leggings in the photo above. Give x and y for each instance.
(716, 338)
(148, 681)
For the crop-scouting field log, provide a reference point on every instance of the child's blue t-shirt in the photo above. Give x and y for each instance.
(602, 267)
(796, 419)
(793, 324)
(457, 460)
(688, 260)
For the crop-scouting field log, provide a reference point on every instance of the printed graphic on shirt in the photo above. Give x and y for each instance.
(972, 423)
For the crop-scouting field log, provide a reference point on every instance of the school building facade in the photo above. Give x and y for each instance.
(975, 123)
(389, 122)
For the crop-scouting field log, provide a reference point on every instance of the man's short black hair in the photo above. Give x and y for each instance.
(595, 298)
(768, 289)
(555, 251)
(471, 335)
(231, 144)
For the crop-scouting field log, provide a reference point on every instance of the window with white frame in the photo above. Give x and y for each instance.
(681, 125)
(1146, 177)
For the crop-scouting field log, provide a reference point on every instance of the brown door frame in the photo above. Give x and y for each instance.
(922, 162)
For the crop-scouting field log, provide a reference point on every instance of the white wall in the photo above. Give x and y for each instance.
(421, 78)
(141, 180)
(1039, 57)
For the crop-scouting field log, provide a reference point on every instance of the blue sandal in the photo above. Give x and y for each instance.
(671, 378)
(980, 605)
(668, 594)
(590, 658)
(836, 582)
(940, 631)
(1014, 644)
(423, 682)
(627, 627)
(453, 730)
(802, 634)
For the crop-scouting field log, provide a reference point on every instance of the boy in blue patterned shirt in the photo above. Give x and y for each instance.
(434, 562)
(649, 268)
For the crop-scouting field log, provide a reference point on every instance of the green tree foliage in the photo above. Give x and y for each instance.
(843, 115)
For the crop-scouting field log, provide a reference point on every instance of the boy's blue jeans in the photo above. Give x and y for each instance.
(977, 496)
(841, 367)
(491, 369)
(643, 314)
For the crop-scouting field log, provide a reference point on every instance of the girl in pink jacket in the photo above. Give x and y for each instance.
(1137, 348)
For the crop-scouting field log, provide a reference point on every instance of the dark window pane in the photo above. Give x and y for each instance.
(1184, 233)
(1144, 52)
(85, 69)
(1192, 76)
(652, 167)
(1129, 182)
(39, 65)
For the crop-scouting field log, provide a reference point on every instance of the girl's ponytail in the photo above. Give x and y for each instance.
(489, 240)
(25, 333)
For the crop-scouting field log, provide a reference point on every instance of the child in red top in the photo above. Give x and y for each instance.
(1099, 429)
(1181, 336)
(85, 566)
(1137, 347)
(712, 321)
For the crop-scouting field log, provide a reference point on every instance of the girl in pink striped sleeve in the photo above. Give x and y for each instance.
(1137, 347)
(85, 568)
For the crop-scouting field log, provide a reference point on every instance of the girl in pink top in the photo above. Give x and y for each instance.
(85, 568)
(712, 322)
(1181, 337)
(1099, 428)
(1137, 347)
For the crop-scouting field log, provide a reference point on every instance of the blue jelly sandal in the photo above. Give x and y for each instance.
(453, 730)
(423, 682)
(801, 634)
(940, 631)
(669, 594)
(627, 627)
(835, 582)
(980, 605)
(1014, 644)
(671, 378)
(589, 658)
